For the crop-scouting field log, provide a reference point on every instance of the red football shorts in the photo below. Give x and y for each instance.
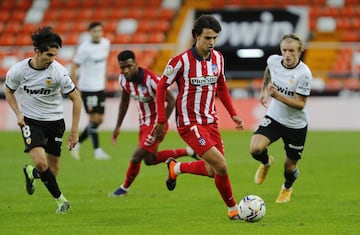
(147, 141)
(202, 137)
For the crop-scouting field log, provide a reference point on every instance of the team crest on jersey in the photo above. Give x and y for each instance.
(28, 141)
(215, 69)
(169, 70)
(202, 141)
(48, 81)
(143, 89)
(292, 79)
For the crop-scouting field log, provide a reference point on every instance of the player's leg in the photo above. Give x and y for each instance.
(131, 173)
(267, 132)
(33, 136)
(207, 142)
(294, 141)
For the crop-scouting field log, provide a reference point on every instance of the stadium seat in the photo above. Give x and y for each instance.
(156, 37)
(23, 39)
(4, 15)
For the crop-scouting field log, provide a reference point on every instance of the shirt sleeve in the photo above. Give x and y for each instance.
(224, 95)
(12, 81)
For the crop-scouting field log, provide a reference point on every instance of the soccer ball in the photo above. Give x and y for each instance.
(252, 208)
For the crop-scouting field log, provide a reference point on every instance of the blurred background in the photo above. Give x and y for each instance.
(159, 29)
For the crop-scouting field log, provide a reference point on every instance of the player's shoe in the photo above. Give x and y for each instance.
(284, 195)
(99, 154)
(234, 214)
(63, 208)
(75, 152)
(262, 171)
(62, 205)
(29, 179)
(192, 153)
(171, 180)
(119, 192)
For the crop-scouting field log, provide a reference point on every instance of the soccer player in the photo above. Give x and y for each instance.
(199, 74)
(287, 81)
(141, 83)
(41, 81)
(89, 63)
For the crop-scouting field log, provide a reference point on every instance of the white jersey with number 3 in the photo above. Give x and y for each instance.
(289, 82)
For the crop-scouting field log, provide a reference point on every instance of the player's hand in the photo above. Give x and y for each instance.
(271, 90)
(158, 130)
(115, 135)
(264, 98)
(73, 139)
(21, 121)
(239, 122)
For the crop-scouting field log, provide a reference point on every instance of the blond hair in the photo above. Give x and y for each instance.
(295, 37)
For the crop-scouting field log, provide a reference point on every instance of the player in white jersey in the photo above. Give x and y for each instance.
(88, 72)
(287, 80)
(40, 82)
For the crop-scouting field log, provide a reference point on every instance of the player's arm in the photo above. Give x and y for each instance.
(161, 93)
(298, 102)
(263, 92)
(123, 107)
(73, 138)
(224, 95)
(74, 73)
(170, 99)
(11, 99)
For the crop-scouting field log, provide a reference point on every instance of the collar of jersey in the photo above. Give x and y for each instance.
(139, 79)
(197, 56)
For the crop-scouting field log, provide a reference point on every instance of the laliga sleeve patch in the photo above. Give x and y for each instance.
(169, 70)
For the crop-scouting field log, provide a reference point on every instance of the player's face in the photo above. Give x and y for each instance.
(43, 60)
(96, 33)
(205, 42)
(290, 52)
(129, 69)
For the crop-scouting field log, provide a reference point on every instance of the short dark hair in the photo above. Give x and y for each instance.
(94, 24)
(125, 55)
(205, 21)
(44, 38)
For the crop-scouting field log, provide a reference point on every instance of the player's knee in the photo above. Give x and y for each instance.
(221, 169)
(256, 149)
(149, 162)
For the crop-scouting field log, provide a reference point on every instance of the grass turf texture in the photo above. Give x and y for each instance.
(325, 198)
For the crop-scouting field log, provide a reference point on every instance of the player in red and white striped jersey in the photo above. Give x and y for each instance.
(199, 74)
(140, 84)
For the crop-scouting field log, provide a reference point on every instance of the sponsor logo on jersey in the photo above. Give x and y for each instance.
(143, 99)
(58, 139)
(283, 90)
(41, 91)
(203, 81)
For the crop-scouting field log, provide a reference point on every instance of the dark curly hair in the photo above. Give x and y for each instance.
(44, 38)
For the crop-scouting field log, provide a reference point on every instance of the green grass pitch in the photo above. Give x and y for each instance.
(325, 200)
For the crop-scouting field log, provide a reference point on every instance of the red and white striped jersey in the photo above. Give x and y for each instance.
(143, 91)
(198, 82)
